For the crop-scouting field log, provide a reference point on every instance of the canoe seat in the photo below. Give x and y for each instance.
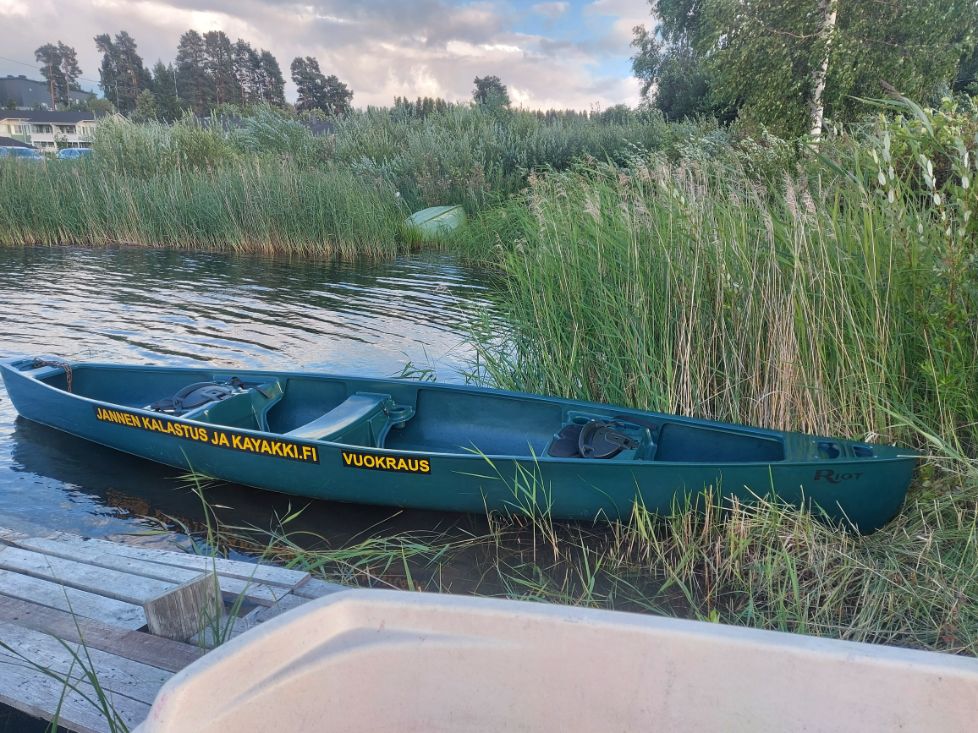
(364, 418)
(247, 408)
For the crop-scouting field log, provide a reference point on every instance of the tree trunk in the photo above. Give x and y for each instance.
(829, 10)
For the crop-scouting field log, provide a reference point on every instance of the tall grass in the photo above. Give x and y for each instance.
(835, 294)
(476, 157)
(246, 204)
(802, 303)
(264, 181)
(914, 583)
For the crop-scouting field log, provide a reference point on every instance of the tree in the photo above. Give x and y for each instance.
(673, 77)
(49, 57)
(317, 91)
(491, 92)
(336, 96)
(247, 72)
(618, 114)
(145, 107)
(99, 106)
(219, 65)
(165, 92)
(59, 67)
(966, 80)
(829, 12)
(272, 81)
(121, 72)
(788, 64)
(193, 85)
(69, 66)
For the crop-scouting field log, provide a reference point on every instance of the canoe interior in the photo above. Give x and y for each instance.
(412, 416)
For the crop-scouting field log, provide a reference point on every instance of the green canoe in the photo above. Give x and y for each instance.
(434, 222)
(437, 446)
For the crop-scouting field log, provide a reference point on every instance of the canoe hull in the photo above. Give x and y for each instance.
(434, 222)
(866, 493)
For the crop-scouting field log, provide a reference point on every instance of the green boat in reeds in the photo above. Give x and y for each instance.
(437, 446)
(434, 222)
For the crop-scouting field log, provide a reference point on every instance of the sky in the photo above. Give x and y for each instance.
(553, 54)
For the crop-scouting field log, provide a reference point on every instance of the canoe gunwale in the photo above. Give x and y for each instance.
(7, 366)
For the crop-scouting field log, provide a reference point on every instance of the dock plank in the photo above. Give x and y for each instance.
(138, 646)
(267, 574)
(79, 602)
(102, 581)
(116, 674)
(32, 692)
(59, 589)
(106, 557)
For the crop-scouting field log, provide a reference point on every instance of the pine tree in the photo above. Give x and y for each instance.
(59, 67)
(317, 91)
(193, 85)
(49, 58)
(273, 83)
(219, 65)
(122, 73)
(247, 72)
(165, 92)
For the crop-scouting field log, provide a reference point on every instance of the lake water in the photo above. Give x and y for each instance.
(156, 306)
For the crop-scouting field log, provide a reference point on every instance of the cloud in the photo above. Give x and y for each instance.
(626, 15)
(550, 10)
(382, 49)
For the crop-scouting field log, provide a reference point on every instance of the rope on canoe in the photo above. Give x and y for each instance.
(38, 363)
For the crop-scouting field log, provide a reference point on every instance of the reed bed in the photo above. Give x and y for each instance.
(806, 303)
(249, 205)
(263, 181)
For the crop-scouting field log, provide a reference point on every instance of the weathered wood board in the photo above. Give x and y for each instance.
(76, 616)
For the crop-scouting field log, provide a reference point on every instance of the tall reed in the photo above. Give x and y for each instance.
(802, 303)
(246, 204)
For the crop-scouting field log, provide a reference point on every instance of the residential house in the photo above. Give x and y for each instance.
(49, 130)
(19, 92)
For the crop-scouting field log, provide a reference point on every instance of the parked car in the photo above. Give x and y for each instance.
(74, 153)
(11, 151)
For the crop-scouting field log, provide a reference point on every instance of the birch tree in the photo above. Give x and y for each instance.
(830, 11)
(792, 64)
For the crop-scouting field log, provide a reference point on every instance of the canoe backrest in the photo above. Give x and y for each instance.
(364, 418)
(247, 410)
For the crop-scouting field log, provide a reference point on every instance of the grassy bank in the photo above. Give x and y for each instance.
(244, 205)
(826, 299)
(914, 583)
(265, 182)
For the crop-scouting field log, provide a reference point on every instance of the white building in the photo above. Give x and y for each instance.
(49, 130)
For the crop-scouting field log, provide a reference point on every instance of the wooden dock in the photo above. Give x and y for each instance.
(75, 616)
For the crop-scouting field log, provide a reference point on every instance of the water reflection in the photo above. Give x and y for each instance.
(138, 305)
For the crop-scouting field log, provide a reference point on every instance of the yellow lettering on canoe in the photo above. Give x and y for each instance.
(215, 437)
(356, 459)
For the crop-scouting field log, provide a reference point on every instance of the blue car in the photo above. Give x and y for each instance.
(74, 153)
(11, 151)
